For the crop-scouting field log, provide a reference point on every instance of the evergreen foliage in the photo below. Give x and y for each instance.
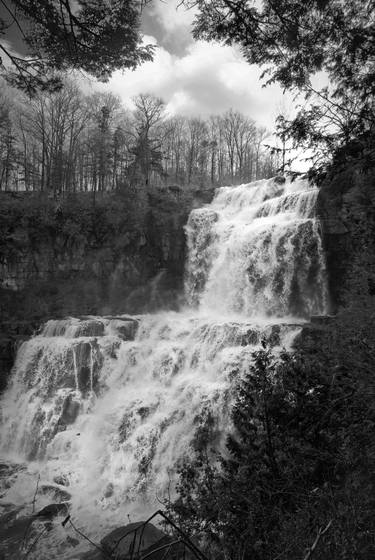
(299, 460)
(94, 36)
(294, 40)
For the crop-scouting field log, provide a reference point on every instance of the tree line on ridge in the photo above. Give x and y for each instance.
(67, 141)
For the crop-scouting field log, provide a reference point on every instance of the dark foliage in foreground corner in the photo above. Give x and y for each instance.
(90, 35)
(295, 39)
(297, 479)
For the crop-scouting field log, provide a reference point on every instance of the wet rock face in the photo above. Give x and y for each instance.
(126, 329)
(88, 361)
(112, 252)
(7, 354)
(52, 510)
(346, 208)
(12, 334)
(61, 479)
(70, 410)
(90, 328)
(57, 494)
(87, 260)
(279, 180)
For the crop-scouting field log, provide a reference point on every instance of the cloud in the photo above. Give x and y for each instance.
(172, 15)
(208, 79)
(170, 23)
(9, 48)
(193, 77)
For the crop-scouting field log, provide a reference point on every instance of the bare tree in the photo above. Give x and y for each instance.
(67, 142)
(149, 112)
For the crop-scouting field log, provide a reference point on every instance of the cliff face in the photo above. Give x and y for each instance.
(346, 206)
(76, 257)
(79, 256)
(127, 253)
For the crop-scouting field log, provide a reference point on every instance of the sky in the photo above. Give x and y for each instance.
(195, 78)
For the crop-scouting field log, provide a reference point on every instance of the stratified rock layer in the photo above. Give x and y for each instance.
(346, 208)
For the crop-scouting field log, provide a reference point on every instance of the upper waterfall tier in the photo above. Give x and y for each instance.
(256, 250)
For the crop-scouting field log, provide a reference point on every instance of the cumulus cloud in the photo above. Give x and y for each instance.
(170, 22)
(208, 79)
(193, 77)
(173, 15)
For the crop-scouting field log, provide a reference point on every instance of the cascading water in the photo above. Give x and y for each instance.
(257, 250)
(105, 408)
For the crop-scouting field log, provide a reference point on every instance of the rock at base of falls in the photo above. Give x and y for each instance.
(61, 479)
(18, 531)
(55, 493)
(126, 329)
(123, 540)
(323, 320)
(53, 510)
(13, 528)
(92, 555)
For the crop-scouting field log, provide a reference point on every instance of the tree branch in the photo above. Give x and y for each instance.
(321, 532)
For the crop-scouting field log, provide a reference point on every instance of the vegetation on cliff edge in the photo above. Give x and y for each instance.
(293, 40)
(299, 461)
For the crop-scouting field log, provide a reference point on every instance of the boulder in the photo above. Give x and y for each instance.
(12, 533)
(90, 327)
(92, 555)
(53, 510)
(57, 494)
(125, 329)
(279, 179)
(108, 492)
(61, 479)
(249, 337)
(123, 539)
(157, 551)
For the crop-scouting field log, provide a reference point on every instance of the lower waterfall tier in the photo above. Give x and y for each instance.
(112, 405)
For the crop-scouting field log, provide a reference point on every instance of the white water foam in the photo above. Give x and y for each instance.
(112, 405)
(256, 250)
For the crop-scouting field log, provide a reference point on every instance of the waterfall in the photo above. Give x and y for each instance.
(112, 405)
(257, 250)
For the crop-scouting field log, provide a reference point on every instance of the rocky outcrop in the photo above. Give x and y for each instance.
(141, 540)
(74, 257)
(12, 333)
(346, 207)
(53, 510)
(134, 537)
